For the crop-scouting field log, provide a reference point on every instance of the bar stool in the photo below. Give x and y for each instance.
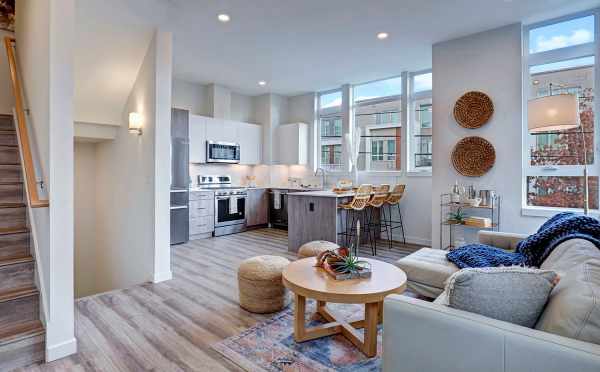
(356, 209)
(376, 204)
(392, 200)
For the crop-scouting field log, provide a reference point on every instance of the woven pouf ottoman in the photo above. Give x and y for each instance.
(313, 249)
(260, 285)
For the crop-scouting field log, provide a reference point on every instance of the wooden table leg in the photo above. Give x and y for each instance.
(380, 313)
(371, 321)
(299, 312)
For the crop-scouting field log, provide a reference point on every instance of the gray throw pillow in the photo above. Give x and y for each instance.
(512, 294)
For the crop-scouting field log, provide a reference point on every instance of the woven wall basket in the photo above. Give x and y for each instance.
(473, 156)
(473, 110)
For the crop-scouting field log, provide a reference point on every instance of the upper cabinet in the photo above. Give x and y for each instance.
(250, 140)
(221, 130)
(197, 139)
(203, 129)
(292, 143)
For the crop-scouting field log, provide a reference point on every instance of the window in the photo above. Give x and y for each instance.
(421, 123)
(555, 160)
(562, 35)
(330, 123)
(378, 115)
(377, 150)
(391, 150)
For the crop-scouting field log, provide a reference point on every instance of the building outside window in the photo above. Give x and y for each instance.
(562, 60)
(377, 112)
(330, 123)
(420, 133)
(377, 108)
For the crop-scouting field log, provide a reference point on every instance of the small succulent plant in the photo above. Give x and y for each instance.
(341, 261)
(456, 217)
(349, 264)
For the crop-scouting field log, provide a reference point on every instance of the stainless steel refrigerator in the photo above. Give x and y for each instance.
(180, 176)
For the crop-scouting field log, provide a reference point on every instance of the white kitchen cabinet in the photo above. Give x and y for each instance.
(221, 130)
(292, 144)
(249, 136)
(197, 133)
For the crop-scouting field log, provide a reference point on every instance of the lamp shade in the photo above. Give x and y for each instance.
(553, 113)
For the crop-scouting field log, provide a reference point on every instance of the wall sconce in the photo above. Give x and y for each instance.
(135, 123)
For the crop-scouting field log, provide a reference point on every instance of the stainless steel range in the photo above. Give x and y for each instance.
(230, 204)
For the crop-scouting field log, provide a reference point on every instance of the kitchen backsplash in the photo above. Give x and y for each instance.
(266, 175)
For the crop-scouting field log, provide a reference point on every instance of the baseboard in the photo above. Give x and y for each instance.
(413, 240)
(59, 351)
(162, 276)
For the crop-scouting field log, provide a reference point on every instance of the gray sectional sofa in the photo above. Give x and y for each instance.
(424, 336)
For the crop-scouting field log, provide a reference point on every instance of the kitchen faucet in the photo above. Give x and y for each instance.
(323, 175)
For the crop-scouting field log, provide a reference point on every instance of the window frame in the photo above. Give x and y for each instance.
(541, 58)
(406, 95)
(414, 97)
(319, 130)
(401, 114)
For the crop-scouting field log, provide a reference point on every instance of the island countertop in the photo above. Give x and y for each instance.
(323, 194)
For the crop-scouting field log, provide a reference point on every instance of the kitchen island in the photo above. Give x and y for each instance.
(314, 215)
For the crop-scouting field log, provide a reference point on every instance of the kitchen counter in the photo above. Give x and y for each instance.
(314, 215)
(324, 194)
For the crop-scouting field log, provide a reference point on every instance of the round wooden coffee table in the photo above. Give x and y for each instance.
(306, 280)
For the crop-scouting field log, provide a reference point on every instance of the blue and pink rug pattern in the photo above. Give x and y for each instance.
(270, 346)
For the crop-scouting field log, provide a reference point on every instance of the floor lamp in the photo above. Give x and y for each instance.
(556, 113)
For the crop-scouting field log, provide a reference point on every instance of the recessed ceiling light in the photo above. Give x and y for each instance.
(536, 82)
(224, 17)
(382, 35)
(262, 83)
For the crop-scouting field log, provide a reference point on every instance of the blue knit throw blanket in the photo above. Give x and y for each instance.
(533, 250)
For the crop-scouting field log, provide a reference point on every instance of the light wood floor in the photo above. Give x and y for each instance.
(170, 326)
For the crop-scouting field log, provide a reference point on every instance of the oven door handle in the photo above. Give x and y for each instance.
(228, 197)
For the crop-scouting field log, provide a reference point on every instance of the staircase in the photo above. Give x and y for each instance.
(21, 331)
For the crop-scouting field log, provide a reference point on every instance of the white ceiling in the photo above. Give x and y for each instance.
(296, 46)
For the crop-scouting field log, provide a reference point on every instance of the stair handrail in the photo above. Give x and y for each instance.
(30, 179)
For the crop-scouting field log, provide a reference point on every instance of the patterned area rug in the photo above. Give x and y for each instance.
(270, 346)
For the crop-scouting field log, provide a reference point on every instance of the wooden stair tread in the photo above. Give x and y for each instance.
(11, 146)
(15, 260)
(8, 132)
(4, 183)
(13, 230)
(12, 205)
(21, 331)
(18, 293)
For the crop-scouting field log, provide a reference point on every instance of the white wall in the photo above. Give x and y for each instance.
(7, 100)
(488, 62)
(47, 75)
(196, 98)
(31, 30)
(242, 108)
(162, 157)
(191, 97)
(85, 219)
(133, 180)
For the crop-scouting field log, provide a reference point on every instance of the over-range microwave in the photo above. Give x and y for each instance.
(222, 152)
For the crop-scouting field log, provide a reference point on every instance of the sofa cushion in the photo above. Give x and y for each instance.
(569, 254)
(573, 309)
(512, 294)
(428, 266)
